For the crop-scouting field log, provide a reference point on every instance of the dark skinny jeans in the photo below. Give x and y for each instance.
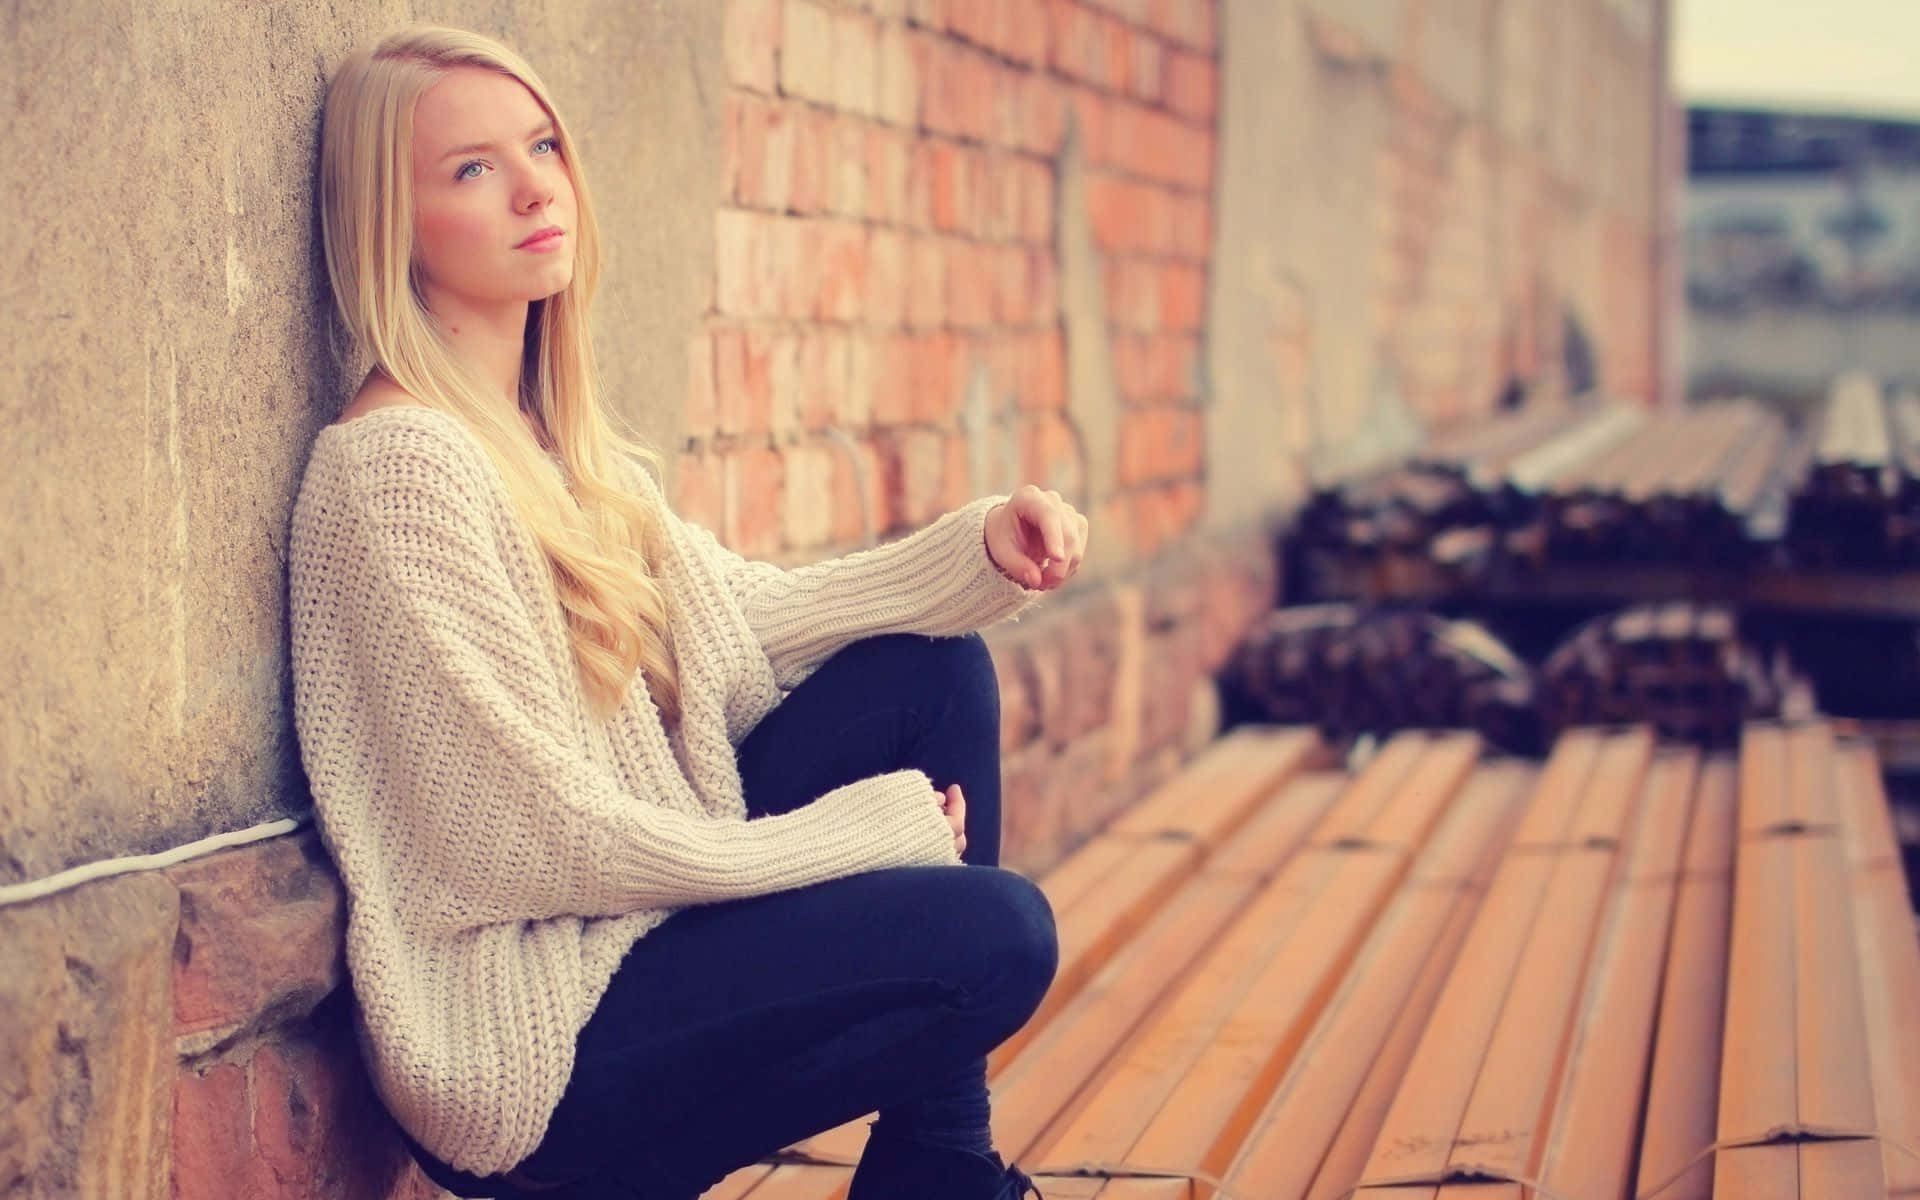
(735, 1029)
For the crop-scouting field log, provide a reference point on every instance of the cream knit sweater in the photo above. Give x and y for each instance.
(501, 848)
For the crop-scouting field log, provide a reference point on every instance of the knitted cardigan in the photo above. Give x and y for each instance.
(502, 848)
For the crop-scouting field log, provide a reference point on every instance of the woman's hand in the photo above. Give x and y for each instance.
(1036, 538)
(954, 805)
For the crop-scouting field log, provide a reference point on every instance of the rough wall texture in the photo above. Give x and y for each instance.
(1417, 200)
(867, 258)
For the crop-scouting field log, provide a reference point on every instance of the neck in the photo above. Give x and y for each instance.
(492, 339)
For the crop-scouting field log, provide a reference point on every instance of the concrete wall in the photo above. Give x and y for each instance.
(167, 362)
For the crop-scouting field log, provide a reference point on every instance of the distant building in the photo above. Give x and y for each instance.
(1802, 247)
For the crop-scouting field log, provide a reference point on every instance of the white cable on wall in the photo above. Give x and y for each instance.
(36, 889)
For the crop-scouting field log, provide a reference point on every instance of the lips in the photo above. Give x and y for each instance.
(543, 237)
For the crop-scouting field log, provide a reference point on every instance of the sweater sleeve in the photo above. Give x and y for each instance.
(463, 740)
(938, 581)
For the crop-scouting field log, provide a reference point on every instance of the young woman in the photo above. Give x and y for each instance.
(659, 859)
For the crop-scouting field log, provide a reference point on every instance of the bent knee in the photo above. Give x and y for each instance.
(1026, 943)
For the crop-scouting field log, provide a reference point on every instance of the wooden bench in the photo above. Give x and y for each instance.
(1448, 975)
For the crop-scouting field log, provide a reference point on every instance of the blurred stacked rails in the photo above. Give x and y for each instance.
(1727, 485)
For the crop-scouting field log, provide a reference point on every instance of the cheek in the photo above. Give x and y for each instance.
(446, 237)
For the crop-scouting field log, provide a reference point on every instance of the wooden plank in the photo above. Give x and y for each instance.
(1562, 783)
(1683, 1087)
(1212, 795)
(1758, 1173)
(1270, 837)
(1502, 1131)
(1842, 1168)
(1758, 1086)
(1418, 1131)
(1152, 1063)
(738, 1184)
(1083, 870)
(1860, 803)
(1485, 814)
(1606, 806)
(1370, 792)
(1765, 802)
(1834, 1078)
(1039, 1086)
(1597, 1117)
(792, 1181)
(1811, 776)
(1094, 929)
(1409, 816)
(1890, 995)
(1286, 1145)
(1206, 1117)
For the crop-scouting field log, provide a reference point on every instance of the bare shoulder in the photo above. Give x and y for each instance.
(377, 392)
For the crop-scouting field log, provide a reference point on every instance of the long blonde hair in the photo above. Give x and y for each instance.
(599, 543)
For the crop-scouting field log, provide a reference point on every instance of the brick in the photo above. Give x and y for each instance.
(1018, 717)
(1182, 296)
(969, 284)
(953, 179)
(932, 378)
(783, 384)
(750, 277)
(212, 1135)
(1190, 22)
(853, 403)
(1094, 117)
(697, 490)
(848, 189)
(743, 377)
(750, 36)
(886, 279)
(807, 475)
(919, 208)
(820, 375)
(1191, 227)
(763, 135)
(1114, 211)
(998, 211)
(956, 475)
(1043, 280)
(856, 63)
(1116, 51)
(887, 159)
(1191, 85)
(753, 489)
(806, 52)
(926, 288)
(1146, 67)
(1133, 298)
(922, 456)
(891, 367)
(260, 937)
(1158, 444)
(1073, 41)
(1040, 113)
(1036, 202)
(1045, 373)
(855, 494)
(843, 272)
(809, 186)
(1012, 290)
(899, 55)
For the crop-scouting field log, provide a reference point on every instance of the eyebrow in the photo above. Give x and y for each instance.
(542, 127)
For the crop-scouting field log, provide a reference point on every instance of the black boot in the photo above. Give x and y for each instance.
(901, 1169)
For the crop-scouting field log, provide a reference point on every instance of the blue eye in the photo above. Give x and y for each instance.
(462, 173)
(552, 144)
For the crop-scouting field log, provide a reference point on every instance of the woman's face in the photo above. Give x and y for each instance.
(490, 184)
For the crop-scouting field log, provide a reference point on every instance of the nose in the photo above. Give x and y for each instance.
(535, 190)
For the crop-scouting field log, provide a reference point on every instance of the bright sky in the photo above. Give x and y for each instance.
(1850, 55)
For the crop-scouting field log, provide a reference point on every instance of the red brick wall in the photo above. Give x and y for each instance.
(886, 231)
